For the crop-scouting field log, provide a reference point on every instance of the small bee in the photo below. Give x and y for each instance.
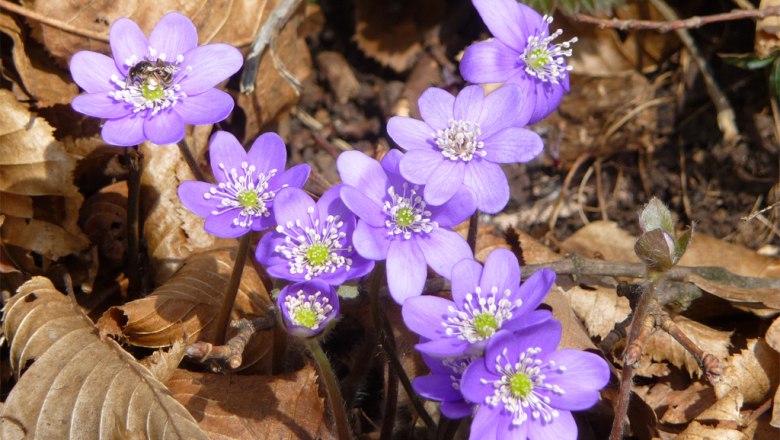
(160, 71)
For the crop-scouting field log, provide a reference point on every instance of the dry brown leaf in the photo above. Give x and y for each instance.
(725, 409)
(604, 240)
(574, 334)
(188, 303)
(767, 31)
(680, 406)
(104, 217)
(754, 372)
(662, 347)
(79, 386)
(250, 407)
(35, 168)
(698, 431)
(773, 340)
(37, 73)
(600, 308)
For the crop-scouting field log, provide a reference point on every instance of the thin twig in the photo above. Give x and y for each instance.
(233, 351)
(132, 261)
(673, 24)
(53, 22)
(232, 289)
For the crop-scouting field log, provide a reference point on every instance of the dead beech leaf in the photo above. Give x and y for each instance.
(681, 406)
(600, 308)
(698, 431)
(753, 371)
(767, 31)
(104, 218)
(285, 406)
(35, 168)
(662, 347)
(188, 303)
(773, 340)
(725, 409)
(574, 334)
(79, 386)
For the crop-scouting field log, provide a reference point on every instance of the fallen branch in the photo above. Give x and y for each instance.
(672, 25)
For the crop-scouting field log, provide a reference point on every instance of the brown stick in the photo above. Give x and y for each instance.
(53, 22)
(132, 261)
(232, 289)
(688, 23)
(232, 352)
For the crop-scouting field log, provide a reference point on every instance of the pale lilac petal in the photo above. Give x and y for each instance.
(533, 290)
(268, 153)
(225, 153)
(465, 277)
(436, 387)
(128, 43)
(525, 321)
(436, 107)
(209, 107)
(365, 208)
(545, 336)
(406, 270)
(124, 132)
(100, 105)
(370, 242)
(484, 425)
(459, 208)
(173, 35)
(206, 66)
(362, 172)
(411, 134)
(391, 162)
(468, 104)
(489, 62)
(424, 315)
(442, 249)
(92, 71)
(509, 21)
(444, 347)
(471, 385)
(293, 204)
(488, 182)
(295, 177)
(445, 181)
(542, 96)
(501, 270)
(164, 128)
(191, 195)
(562, 427)
(222, 225)
(585, 374)
(360, 268)
(503, 108)
(266, 255)
(455, 409)
(330, 203)
(418, 165)
(508, 431)
(512, 145)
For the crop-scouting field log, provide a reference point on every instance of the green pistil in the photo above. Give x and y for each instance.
(306, 317)
(248, 198)
(317, 254)
(152, 92)
(404, 217)
(485, 324)
(539, 58)
(521, 385)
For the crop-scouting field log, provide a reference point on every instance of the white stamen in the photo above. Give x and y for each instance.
(462, 323)
(407, 204)
(302, 302)
(238, 183)
(542, 58)
(460, 140)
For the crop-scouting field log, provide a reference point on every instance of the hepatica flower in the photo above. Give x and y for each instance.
(461, 141)
(307, 307)
(153, 87)
(396, 224)
(484, 301)
(247, 183)
(443, 385)
(522, 53)
(526, 388)
(312, 241)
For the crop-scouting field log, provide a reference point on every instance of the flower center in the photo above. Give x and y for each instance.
(457, 366)
(151, 83)
(521, 387)
(307, 310)
(315, 248)
(460, 140)
(245, 190)
(542, 58)
(406, 213)
(481, 315)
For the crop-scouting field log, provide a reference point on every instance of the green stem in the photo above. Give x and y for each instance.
(471, 238)
(232, 289)
(191, 161)
(134, 161)
(331, 388)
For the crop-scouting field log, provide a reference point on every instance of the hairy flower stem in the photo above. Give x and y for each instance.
(385, 336)
(191, 161)
(624, 394)
(471, 238)
(447, 428)
(232, 289)
(331, 388)
(132, 264)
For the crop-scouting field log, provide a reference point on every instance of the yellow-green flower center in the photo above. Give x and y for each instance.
(520, 385)
(539, 58)
(152, 92)
(317, 254)
(248, 198)
(404, 217)
(485, 324)
(306, 317)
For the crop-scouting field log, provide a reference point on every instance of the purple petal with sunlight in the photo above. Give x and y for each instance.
(92, 71)
(488, 182)
(128, 42)
(503, 108)
(210, 65)
(562, 427)
(191, 195)
(534, 290)
(465, 277)
(365, 174)
(222, 225)
(468, 104)
(208, 107)
(173, 35)
(459, 208)
(489, 62)
(370, 242)
(512, 145)
(586, 373)
(442, 249)
(100, 105)
(436, 387)
(124, 132)
(436, 107)
(164, 128)
(411, 134)
(406, 270)
(501, 270)
(418, 165)
(509, 21)
(425, 314)
(365, 208)
(268, 153)
(225, 153)
(445, 181)
(293, 204)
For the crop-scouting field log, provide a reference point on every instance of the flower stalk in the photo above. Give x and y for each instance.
(191, 161)
(331, 388)
(232, 289)
(134, 163)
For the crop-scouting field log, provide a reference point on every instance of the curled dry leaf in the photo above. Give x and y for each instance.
(598, 307)
(773, 340)
(285, 406)
(574, 334)
(104, 217)
(662, 347)
(753, 371)
(79, 386)
(698, 431)
(36, 171)
(767, 31)
(187, 305)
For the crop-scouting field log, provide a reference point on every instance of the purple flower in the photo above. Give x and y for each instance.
(521, 53)
(484, 301)
(312, 240)
(527, 389)
(153, 87)
(443, 385)
(461, 141)
(243, 198)
(307, 307)
(397, 225)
